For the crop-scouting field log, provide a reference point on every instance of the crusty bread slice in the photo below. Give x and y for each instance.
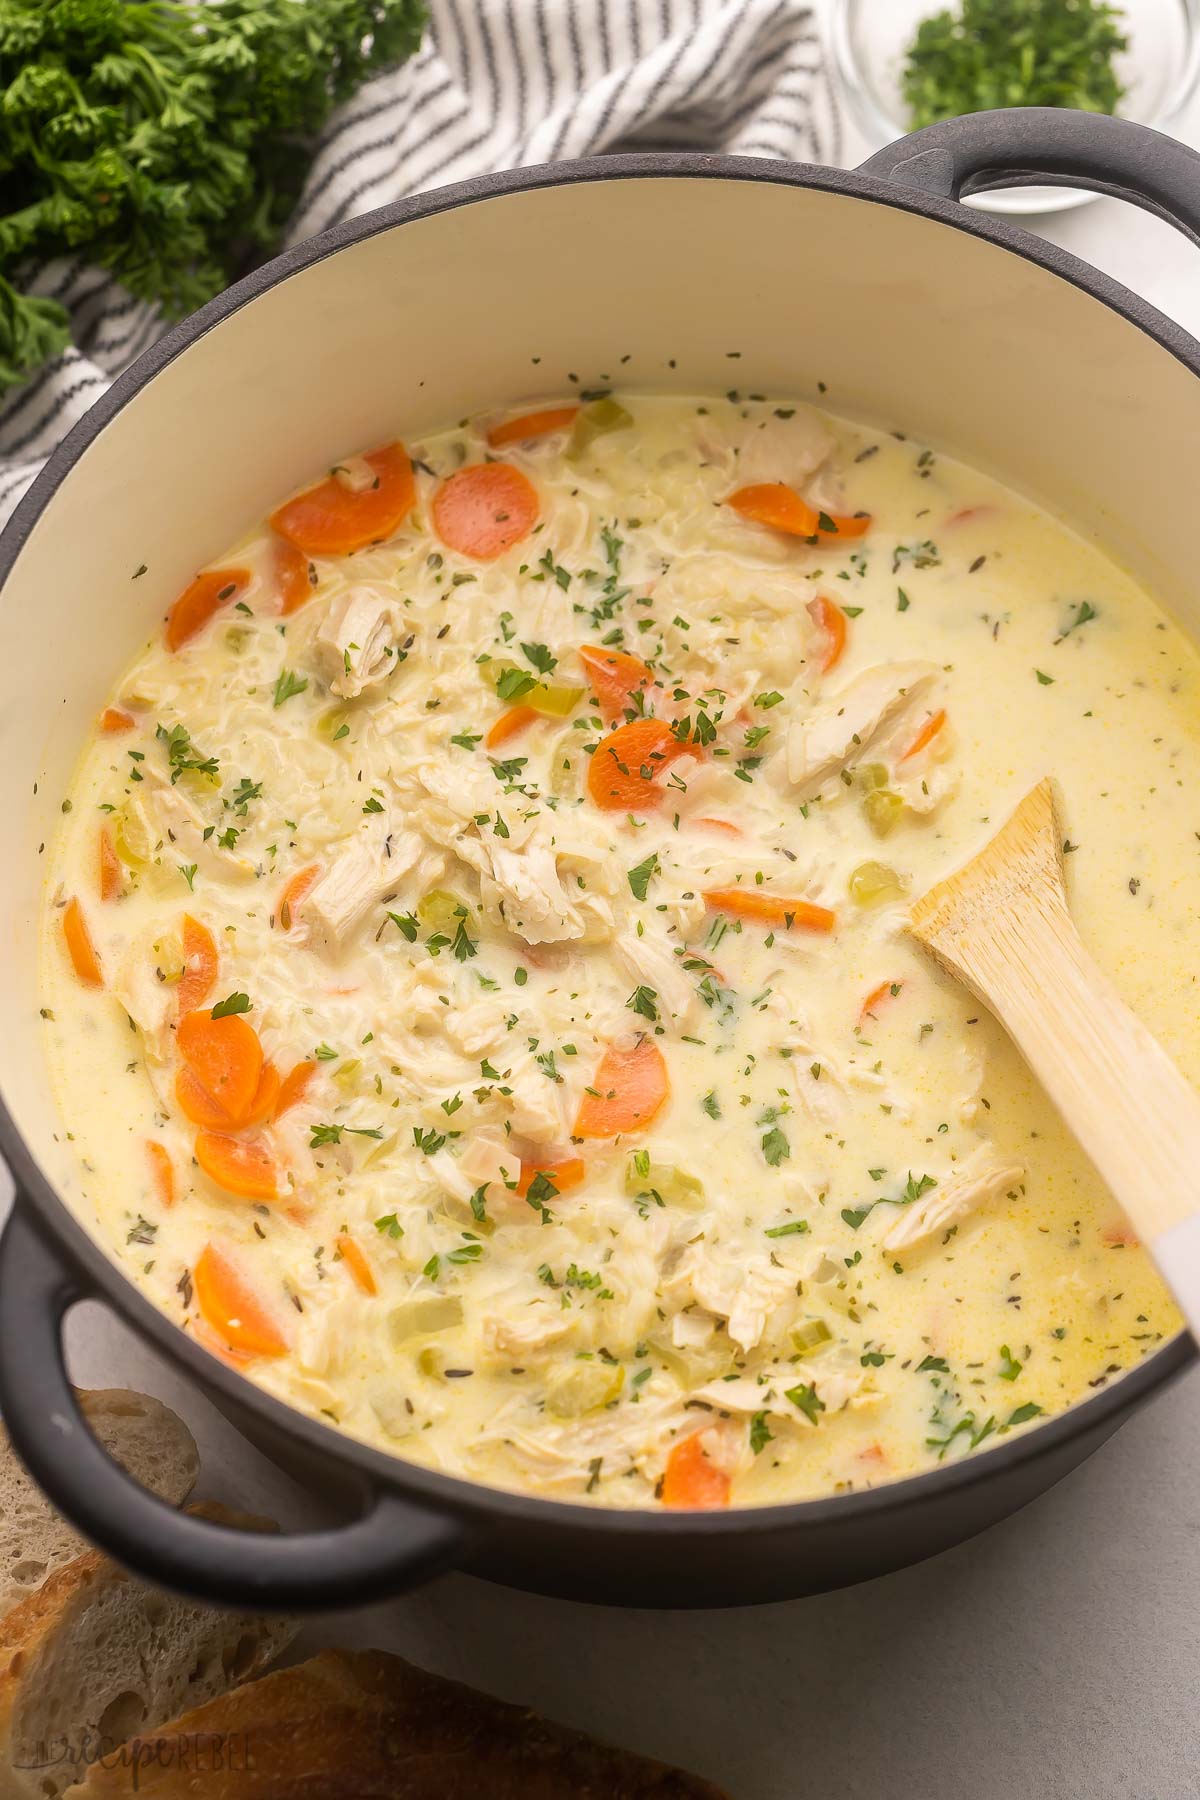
(95, 1655)
(363, 1725)
(145, 1436)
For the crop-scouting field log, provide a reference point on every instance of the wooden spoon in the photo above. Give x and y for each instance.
(1001, 925)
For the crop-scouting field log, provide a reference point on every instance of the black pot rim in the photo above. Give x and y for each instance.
(102, 1278)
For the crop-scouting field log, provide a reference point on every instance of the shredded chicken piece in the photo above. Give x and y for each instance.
(841, 728)
(651, 963)
(745, 1294)
(976, 1182)
(360, 638)
(147, 998)
(543, 1324)
(369, 867)
(523, 891)
(533, 1101)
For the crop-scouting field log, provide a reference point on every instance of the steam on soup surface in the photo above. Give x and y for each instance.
(502, 859)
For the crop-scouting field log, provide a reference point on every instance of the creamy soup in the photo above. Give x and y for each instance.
(475, 970)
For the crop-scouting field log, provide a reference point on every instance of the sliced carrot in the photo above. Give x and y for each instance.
(615, 677)
(564, 1175)
(532, 425)
(357, 1264)
(725, 825)
(775, 504)
(200, 964)
(508, 725)
(874, 1453)
(80, 946)
(293, 1087)
(226, 1058)
(114, 720)
(204, 1334)
(829, 618)
(112, 874)
(1120, 1237)
(230, 1306)
(292, 574)
(241, 1166)
(876, 997)
(483, 510)
(927, 733)
(692, 1479)
(624, 766)
(627, 1090)
(198, 603)
(266, 1098)
(197, 1104)
(770, 909)
(162, 1171)
(332, 520)
(293, 894)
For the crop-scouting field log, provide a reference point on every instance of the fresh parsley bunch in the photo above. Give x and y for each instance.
(165, 140)
(995, 53)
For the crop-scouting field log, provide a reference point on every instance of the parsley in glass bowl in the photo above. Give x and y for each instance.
(903, 62)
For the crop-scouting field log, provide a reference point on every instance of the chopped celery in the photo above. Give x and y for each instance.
(882, 810)
(875, 881)
(237, 637)
(418, 1318)
(813, 1335)
(334, 724)
(671, 1184)
(582, 1388)
(871, 775)
(553, 699)
(442, 910)
(346, 1073)
(168, 957)
(133, 840)
(594, 420)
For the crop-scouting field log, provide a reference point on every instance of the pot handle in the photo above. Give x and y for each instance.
(393, 1545)
(1047, 146)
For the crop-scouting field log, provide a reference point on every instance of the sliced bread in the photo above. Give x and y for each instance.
(363, 1725)
(144, 1436)
(95, 1655)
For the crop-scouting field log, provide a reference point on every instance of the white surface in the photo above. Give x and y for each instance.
(1056, 1657)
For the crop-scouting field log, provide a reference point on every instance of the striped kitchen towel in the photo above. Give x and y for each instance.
(497, 84)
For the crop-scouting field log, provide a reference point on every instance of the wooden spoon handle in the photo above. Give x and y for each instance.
(1114, 1084)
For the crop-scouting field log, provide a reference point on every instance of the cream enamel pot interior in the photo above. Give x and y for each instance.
(875, 289)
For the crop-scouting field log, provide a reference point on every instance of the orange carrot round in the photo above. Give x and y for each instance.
(356, 1262)
(293, 894)
(483, 510)
(240, 1166)
(692, 1479)
(293, 582)
(725, 825)
(230, 1306)
(293, 1087)
(200, 963)
(80, 947)
(266, 1097)
(332, 520)
(564, 1175)
(532, 425)
(876, 997)
(197, 1104)
(226, 1058)
(112, 875)
(622, 775)
(615, 677)
(162, 1171)
(114, 720)
(198, 603)
(626, 1092)
(770, 909)
(927, 733)
(775, 504)
(829, 619)
(509, 725)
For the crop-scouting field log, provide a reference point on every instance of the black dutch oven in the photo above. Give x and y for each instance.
(911, 311)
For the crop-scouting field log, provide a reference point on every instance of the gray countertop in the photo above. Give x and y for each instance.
(1056, 1657)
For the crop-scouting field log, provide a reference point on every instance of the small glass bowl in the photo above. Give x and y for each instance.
(1159, 72)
